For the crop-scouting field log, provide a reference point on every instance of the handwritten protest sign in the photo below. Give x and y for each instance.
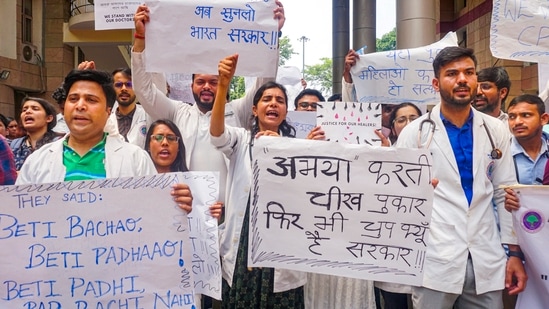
(347, 210)
(180, 87)
(96, 244)
(531, 225)
(192, 36)
(350, 122)
(114, 14)
(397, 76)
(302, 121)
(290, 77)
(203, 232)
(519, 30)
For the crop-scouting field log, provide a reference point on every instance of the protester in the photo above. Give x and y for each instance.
(8, 173)
(307, 100)
(164, 144)
(131, 119)
(38, 119)
(465, 265)
(13, 129)
(493, 88)
(529, 145)
(244, 287)
(530, 150)
(401, 116)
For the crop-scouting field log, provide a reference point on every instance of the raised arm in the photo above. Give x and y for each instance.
(140, 18)
(348, 93)
(226, 68)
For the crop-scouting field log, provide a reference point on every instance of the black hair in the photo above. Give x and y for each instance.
(451, 54)
(59, 95)
(104, 80)
(496, 75)
(309, 91)
(530, 99)
(284, 127)
(125, 71)
(392, 117)
(48, 107)
(335, 97)
(4, 120)
(179, 164)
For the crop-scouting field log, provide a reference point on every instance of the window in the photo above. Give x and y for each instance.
(459, 5)
(462, 37)
(27, 21)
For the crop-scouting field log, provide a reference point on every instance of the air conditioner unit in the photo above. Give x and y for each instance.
(28, 53)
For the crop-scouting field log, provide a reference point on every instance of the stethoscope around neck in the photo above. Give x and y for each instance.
(495, 154)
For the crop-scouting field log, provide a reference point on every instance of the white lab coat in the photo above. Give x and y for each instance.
(140, 124)
(122, 159)
(234, 143)
(456, 228)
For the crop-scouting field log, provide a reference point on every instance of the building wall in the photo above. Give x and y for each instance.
(53, 58)
(59, 57)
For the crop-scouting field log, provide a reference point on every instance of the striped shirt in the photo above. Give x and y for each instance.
(89, 166)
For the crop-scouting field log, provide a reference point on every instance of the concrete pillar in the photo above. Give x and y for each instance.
(340, 40)
(416, 24)
(364, 25)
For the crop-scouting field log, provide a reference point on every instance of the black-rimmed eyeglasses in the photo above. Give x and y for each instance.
(160, 138)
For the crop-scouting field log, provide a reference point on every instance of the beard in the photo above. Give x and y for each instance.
(125, 102)
(489, 107)
(207, 106)
(457, 101)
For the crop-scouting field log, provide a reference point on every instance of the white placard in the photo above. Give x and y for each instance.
(519, 30)
(111, 14)
(397, 76)
(203, 232)
(180, 87)
(350, 122)
(531, 225)
(340, 209)
(302, 121)
(94, 244)
(192, 36)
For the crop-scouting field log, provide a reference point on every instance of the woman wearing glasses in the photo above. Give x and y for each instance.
(401, 116)
(165, 146)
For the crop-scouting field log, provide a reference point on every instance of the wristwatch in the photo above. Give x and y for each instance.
(518, 254)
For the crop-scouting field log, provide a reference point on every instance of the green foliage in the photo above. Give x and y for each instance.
(286, 50)
(387, 41)
(237, 88)
(319, 76)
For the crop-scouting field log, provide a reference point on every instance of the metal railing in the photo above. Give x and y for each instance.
(81, 6)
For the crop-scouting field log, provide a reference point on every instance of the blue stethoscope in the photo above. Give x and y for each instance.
(495, 154)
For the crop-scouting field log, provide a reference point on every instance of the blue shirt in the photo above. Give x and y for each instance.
(530, 172)
(461, 140)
